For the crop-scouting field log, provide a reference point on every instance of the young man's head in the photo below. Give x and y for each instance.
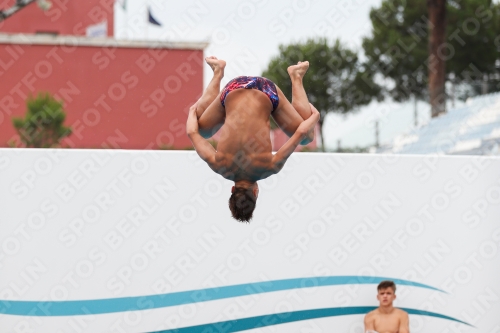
(386, 293)
(243, 200)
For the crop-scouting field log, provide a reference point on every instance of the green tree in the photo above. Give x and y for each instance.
(42, 126)
(436, 10)
(399, 47)
(336, 80)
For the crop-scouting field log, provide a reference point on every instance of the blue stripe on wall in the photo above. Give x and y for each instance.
(288, 317)
(112, 305)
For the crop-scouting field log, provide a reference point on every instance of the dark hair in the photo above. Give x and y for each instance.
(242, 204)
(386, 284)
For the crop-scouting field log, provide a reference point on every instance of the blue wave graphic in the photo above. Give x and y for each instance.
(288, 317)
(112, 305)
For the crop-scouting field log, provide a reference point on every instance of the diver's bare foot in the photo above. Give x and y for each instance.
(217, 65)
(298, 71)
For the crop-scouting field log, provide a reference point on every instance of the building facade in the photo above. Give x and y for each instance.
(118, 94)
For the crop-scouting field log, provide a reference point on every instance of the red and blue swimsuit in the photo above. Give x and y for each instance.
(252, 82)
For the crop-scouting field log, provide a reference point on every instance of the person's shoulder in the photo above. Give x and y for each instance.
(262, 164)
(371, 314)
(222, 165)
(224, 160)
(369, 318)
(401, 312)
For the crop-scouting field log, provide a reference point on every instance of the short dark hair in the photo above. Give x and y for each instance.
(386, 284)
(242, 204)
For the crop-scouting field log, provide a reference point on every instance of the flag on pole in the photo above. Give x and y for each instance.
(122, 3)
(151, 19)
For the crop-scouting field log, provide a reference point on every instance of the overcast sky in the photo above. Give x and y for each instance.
(247, 34)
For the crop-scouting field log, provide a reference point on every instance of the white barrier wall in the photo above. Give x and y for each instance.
(143, 241)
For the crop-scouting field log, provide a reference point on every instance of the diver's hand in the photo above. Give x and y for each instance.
(307, 126)
(192, 121)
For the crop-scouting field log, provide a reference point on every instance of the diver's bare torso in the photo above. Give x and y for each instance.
(386, 322)
(244, 150)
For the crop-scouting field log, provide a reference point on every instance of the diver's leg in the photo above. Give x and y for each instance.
(288, 115)
(213, 88)
(299, 96)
